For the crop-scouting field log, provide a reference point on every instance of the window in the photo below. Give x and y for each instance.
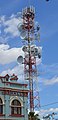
(16, 107)
(1, 106)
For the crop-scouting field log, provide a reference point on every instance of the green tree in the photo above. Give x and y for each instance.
(33, 116)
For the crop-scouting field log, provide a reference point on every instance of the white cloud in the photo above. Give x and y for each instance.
(48, 74)
(17, 70)
(3, 39)
(2, 19)
(4, 47)
(8, 27)
(53, 68)
(52, 81)
(11, 26)
(8, 55)
(44, 112)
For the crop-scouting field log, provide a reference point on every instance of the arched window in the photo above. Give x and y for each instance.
(1, 106)
(16, 107)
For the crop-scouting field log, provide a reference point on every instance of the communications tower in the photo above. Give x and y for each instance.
(29, 32)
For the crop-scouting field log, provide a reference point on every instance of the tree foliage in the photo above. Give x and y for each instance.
(33, 116)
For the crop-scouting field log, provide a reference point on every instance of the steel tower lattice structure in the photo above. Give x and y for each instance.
(28, 22)
(31, 51)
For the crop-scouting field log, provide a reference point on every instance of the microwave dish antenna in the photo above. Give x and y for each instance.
(22, 32)
(24, 48)
(20, 59)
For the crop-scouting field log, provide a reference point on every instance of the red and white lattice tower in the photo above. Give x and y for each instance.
(31, 53)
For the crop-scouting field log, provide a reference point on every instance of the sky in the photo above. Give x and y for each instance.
(46, 14)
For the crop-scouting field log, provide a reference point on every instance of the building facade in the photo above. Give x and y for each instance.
(13, 99)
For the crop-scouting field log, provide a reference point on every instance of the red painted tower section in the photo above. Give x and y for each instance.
(29, 61)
